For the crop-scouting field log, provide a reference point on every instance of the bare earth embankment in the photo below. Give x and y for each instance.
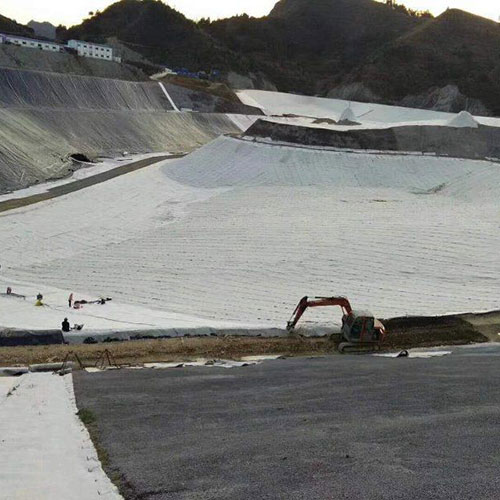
(404, 333)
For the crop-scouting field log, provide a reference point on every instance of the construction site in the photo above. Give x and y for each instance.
(266, 294)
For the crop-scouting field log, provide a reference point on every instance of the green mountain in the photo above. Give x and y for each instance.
(455, 48)
(306, 45)
(10, 27)
(356, 49)
(158, 32)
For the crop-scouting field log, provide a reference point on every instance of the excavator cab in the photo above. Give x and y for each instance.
(359, 326)
(360, 329)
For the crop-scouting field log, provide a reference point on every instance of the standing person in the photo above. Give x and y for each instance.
(70, 300)
(65, 326)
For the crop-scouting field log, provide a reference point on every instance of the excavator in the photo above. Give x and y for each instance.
(360, 330)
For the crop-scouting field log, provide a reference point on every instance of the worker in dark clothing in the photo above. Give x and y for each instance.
(65, 325)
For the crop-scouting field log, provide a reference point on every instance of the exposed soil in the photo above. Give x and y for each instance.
(430, 331)
(488, 324)
(166, 350)
(404, 333)
(474, 143)
(216, 89)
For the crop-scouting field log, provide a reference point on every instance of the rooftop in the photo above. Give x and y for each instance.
(37, 40)
(91, 43)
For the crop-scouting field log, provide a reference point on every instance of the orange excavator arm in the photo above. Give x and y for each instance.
(307, 302)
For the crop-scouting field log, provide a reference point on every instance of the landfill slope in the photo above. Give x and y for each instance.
(53, 90)
(238, 231)
(45, 117)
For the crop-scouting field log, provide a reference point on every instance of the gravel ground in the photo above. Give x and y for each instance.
(343, 427)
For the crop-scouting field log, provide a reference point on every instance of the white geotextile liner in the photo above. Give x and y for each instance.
(219, 363)
(348, 115)
(46, 450)
(415, 354)
(236, 233)
(279, 103)
(228, 162)
(463, 120)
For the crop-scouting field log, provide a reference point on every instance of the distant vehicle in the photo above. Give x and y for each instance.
(360, 330)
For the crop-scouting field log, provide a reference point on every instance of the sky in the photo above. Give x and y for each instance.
(69, 12)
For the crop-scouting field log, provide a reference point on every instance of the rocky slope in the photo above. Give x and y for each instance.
(456, 48)
(43, 30)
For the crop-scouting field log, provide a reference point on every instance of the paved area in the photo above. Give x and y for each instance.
(340, 427)
(71, 187)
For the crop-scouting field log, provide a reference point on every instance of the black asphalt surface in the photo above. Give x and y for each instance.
(340, 427)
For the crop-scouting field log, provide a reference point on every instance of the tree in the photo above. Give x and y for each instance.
(61, 31)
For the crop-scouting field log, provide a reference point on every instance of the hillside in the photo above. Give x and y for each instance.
(456, 48)
(55, 62)
(300, 46)
(10, 26)
(157, 32)
(43, 30)
(360, 50)
(304, 44)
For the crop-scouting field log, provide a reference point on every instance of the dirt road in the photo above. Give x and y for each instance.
(71, 187)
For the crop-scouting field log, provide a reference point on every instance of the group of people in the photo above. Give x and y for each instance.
(77, 304)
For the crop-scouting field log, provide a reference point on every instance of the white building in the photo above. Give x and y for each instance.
(31, 43)
(87, 49)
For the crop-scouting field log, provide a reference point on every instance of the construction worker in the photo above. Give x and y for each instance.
(65, 326)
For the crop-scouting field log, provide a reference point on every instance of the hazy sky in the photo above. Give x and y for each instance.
(72, 11)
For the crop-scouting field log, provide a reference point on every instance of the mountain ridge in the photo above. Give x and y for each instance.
(11, 27)
(455, 48)
(357, 49)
